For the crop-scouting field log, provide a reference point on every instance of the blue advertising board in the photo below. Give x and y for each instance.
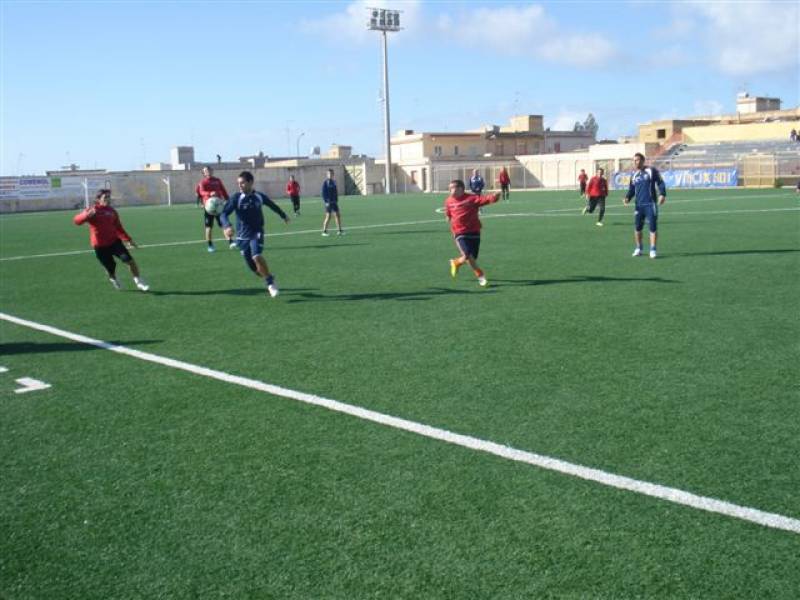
(685, 178)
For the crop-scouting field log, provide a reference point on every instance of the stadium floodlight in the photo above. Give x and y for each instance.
(384, 20)
(297, 144)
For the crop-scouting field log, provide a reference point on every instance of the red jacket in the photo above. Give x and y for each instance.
(211, 184)
(582, 178)
(105, 227)
(597, 188)
(503, 178)
(292, 188)
(463, 212)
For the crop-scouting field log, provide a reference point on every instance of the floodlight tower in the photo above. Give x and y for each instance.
(385, 20)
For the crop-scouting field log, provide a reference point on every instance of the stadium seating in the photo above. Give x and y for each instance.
(724, 153)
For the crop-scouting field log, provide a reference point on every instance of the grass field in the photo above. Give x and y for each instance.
(133, 479)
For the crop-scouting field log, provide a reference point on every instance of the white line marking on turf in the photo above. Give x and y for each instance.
(30, 385)
(573, 212)
(669, 494)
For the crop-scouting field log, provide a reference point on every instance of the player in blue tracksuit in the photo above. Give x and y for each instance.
(476, 183)
(330, 198)
(648, 188)
(247, 204)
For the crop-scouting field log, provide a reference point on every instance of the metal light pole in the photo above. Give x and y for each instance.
(298, 143)
(384, 20)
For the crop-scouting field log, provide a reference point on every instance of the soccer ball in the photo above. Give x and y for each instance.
(214, 205)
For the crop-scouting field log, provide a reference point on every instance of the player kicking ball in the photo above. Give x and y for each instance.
(461, 210)
(247, 204)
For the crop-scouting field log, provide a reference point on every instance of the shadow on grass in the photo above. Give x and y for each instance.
(46, 347)
(320, 246)
(416, 232)
(735, 252)
(256, 290)
(427, 294)
(579, 279)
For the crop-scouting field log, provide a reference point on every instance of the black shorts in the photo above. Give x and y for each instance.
(583, 188)
(469, 244)
(209, 219)
(106, 254)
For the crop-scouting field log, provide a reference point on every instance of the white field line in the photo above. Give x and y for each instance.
(653, 490)
(572, 212)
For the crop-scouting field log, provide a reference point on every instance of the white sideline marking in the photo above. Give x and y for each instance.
(674, 495)
(550, 213)
(30, 385)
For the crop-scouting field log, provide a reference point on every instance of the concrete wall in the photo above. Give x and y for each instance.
(740, 133)
(133, 188)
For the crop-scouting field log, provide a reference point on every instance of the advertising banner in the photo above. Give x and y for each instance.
(685, 178)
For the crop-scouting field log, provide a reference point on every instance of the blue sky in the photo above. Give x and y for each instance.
(117, 84)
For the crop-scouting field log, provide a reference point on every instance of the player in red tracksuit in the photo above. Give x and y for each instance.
(293, 191)
(461, 210)
(596, 191)
(582, 179)
(505, 183)
(106, 235)
(204, 189)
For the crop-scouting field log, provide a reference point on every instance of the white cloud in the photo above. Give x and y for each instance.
(528, 30)
(748, 38)
(351, 23)
(565, 120)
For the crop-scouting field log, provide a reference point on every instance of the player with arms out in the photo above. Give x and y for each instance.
(211, 186)
(648, 188)
(247, 204)
(461, 210)
(107, 235)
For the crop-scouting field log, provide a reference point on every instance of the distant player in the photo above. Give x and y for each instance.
(461, 210)
(648, 188)
(582, 179)
(209, 184)
(505, 183)
(106, 235)
(476, 183)
(247, 204)
(596, 192)
(330, 198)
(293, 191)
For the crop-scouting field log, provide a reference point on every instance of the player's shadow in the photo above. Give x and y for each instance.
(735, 252)
(579, 279)
(251, 291)
(321, 246)
(413, 232)
(428, 294)
(14, 348)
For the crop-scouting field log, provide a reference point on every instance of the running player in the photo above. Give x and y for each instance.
(106, 235)
(247, 204)
(461, 210)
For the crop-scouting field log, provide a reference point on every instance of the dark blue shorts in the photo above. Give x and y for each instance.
(331, 207)
(647, 211)
(250, 248)
(469, 243)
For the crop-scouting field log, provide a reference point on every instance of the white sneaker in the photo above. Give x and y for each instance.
(325, 234)
(482, 281)
(232, 246)
(142, 285)
(115, 283)
(340, 232)
(637, 252)
(273, 290)
(652, 253)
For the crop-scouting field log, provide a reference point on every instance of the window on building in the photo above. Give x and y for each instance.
(661, 134)
(557, 147)
(437, 150)
(414, 177)
(455, 150)
(498, 149)
(522, 148)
